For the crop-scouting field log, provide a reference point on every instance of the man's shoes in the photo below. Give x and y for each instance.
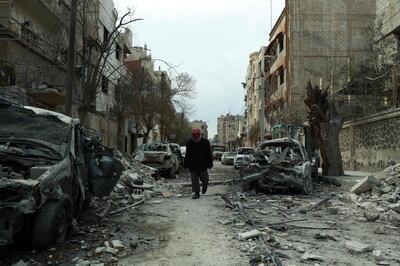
(204, 189)
(196, 196)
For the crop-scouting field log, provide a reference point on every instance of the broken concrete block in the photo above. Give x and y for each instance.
(309, 256)
(395, 207)
(392, 180)
(377, 254)
(107, 244)
(364, 185)
(225, 222)
(20, 263)
(357, 247)
(112, 250)
(332, 211)
(249, 235)
(117, 244)
(99, 250)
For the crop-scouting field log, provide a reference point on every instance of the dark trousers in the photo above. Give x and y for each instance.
(196, 175)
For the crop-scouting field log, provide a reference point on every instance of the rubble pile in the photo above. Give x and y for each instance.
(379, 195)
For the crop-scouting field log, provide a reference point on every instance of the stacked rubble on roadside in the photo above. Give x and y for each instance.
(379, 195)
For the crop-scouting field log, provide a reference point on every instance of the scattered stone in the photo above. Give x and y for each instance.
(107, 244)
(249, 235)
(313, 257)
(380, 230)
(395, 207)
(332, 211)
(166, 194)
(357, 247)
(371, 216)
(383, 262)
(83, 263)
(364, 185)
(114, 259)
(99, 250)
(391, 180)
(240, 225)
(75, 260)
(117, 244)
(112, 250)
(300, 249)
(225, 222)
(322, 236)
(377, 254)
(156, 201)
(21, 263)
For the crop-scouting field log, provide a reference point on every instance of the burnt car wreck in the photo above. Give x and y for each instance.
(49, 168)
(280, 165)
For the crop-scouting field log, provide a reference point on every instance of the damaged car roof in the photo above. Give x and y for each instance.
(34, 123)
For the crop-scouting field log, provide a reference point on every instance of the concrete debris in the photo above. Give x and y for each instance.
(364, 185)
(332, 211)
(395, 207)
(117, 244)
(99, 250)
(357, 247)
(309, 256)
(249, 235)
(21, 263)
(112, 250)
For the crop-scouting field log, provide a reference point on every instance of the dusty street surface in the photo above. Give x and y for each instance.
(331, 227)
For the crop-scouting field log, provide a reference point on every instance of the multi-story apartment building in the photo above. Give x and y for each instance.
(33, 47)
(230, 129)
(317, 40)
(255, 95)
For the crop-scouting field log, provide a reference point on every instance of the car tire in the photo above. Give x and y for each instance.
(308, 186)
(171, 173)
(52, 223)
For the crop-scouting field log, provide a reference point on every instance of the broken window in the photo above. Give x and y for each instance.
(117, 51)
(105, 34)
(281, 41)
(104, 84)
(282, 76)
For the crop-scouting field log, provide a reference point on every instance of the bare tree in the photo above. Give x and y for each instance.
(95, 54)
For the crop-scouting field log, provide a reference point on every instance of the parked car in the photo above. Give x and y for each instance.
(161, 157)
(243, 157)
(49, 166)
(217, 151)
(228, 158)
(280, 164)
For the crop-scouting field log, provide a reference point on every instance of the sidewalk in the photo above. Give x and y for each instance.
(348, 180)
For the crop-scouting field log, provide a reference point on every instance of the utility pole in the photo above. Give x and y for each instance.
(69, 82)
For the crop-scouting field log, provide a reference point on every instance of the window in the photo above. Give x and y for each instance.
(281, 76)
(104, 84)
(105, 34)
(117, 51)
(281, 41)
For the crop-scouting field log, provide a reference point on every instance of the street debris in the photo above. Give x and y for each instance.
(357, 247)
(249, 235)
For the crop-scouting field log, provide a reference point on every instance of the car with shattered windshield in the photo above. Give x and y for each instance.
(280, 165)
(160, 156)
(228, 158)
(49, 167)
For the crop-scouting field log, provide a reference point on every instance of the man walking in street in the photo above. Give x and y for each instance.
(198, 159)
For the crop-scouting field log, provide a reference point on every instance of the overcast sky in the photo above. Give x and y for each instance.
(211, 40)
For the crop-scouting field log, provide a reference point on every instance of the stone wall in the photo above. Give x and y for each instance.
(371, 143)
